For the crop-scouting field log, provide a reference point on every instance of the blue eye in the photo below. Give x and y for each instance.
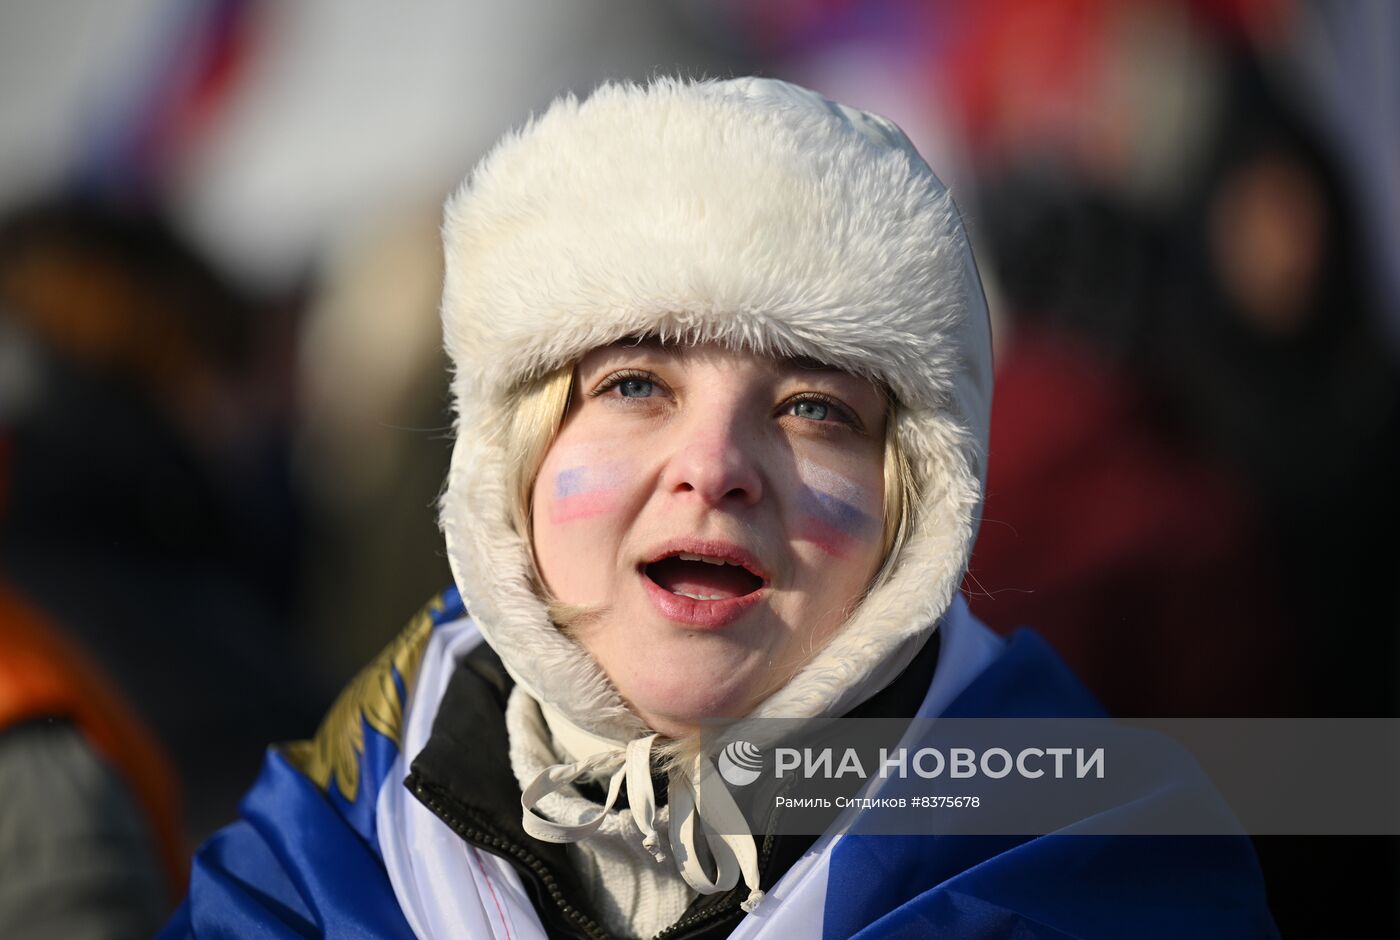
(635, 388)
(811, 410)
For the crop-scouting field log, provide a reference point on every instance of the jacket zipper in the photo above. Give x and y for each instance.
(695, 920)
(501, 846)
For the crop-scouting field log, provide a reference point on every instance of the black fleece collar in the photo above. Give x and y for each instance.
(464, 776)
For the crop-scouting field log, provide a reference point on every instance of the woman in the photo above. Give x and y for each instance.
(722, 383)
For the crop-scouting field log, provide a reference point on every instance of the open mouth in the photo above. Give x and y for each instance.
(703, 577)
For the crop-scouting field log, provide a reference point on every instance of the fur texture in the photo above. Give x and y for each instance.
(751, 213)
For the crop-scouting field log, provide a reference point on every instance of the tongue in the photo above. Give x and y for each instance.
(697, 578)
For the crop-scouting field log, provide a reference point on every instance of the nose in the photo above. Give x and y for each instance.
(715, 460)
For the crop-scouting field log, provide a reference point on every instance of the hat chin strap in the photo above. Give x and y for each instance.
(699, 801)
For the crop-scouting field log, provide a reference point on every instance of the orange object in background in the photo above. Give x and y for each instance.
(43, 674)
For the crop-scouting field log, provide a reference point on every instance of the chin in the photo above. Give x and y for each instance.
(684, 703)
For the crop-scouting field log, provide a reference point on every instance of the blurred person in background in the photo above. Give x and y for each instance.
(146, 498)
(1211, 372)
(1101, 510)
(1272, 355)
(1271, 351)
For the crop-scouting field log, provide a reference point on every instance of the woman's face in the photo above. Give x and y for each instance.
(724, 512)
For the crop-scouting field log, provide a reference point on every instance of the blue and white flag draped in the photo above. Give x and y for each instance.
(303, 862)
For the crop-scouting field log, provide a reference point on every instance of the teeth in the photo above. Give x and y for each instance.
(707, 559)
(700, 597)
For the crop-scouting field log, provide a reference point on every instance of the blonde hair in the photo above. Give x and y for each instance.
(537, 412)
(538, 408)
(901, 494)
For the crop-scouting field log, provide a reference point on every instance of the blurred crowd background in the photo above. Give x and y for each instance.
(223, 403)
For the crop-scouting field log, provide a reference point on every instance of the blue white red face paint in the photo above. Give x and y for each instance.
(835, 512)
(585, 490)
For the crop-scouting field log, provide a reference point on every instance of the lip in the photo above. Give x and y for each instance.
(710, 615)
(715, 548)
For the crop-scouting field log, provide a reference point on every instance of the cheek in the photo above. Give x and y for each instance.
(582, 491)
(836, 513)
(579, 503)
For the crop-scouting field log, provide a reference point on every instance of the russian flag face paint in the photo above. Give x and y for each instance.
(835, 511)
(585, 490)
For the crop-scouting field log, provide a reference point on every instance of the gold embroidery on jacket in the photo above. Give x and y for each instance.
(373, 696)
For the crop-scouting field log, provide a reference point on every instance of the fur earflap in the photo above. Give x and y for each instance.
(751, 213)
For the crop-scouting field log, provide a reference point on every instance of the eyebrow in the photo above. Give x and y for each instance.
(808, 364)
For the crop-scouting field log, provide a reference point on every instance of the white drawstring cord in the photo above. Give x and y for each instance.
(640, 796)
(698, 798)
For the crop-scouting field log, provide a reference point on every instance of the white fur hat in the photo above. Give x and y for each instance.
(751, 213)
